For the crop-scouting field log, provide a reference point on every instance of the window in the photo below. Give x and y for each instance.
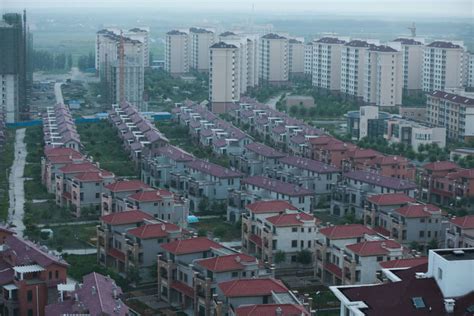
(50, 275)
(422, 233)
(294, 229)
(294, 243)
(379, 258)
(29, 296)
(235, 274)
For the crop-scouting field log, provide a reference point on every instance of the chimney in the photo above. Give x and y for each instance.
(94, 290)
(279, 311)
(449, 305)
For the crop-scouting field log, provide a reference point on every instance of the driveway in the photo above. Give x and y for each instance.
(17, 188)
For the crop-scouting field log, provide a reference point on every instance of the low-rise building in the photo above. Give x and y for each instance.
(114, 197)
(96, 295)
(29, 273)
(204, 180)
(53, 160)
(80, 185)
(256, 159)
(439, 287)
(460, 232)
(350, 194)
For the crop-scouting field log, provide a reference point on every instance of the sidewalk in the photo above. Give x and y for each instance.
(17, 188)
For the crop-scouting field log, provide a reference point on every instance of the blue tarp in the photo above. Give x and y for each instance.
(192, 219)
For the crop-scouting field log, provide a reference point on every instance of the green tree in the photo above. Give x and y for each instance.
(203, 205)
(202, 232)
(220, 231)
(133, 275)
(280, 256)
(433, 244)
(304, 257)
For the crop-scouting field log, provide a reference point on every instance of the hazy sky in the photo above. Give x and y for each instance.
(446, 8)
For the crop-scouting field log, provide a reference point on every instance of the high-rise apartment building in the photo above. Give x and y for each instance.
(308, 58)
(274, 68)
(199, 42)
(353, 59)
(326, 71)
(176, 52)
(470, 71)
(252, 60)
(15, 72)
(413, 54)
(108, 65)
(383, 77)
(452, 111)
(296, 57)
(444, 66)
(224, 81)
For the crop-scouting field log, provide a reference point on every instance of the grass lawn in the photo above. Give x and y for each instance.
(46, 213)
(82, 265)
(6, 161)
(66, 236)
(102, 143)
(216, 227)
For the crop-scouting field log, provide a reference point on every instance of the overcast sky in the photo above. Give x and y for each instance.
(423, 8)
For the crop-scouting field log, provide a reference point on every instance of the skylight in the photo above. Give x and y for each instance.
(418, 302)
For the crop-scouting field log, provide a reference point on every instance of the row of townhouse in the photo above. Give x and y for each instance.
(445, 183)
(139, 136)
(59, 128)
(378, 73)
(132, 239)
(203, 277)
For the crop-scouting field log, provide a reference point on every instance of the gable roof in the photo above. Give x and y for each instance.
(212, 169)
(150, 195)
(127, 185)
(291, 219)
(441, 166)
(155, 230)
(252, 287)
(390, 199)
(308, 164)
(264, 150)
(227, 262)
(277, 186)
(417, 210)
(376, 179)
(272, 206)
(191, 245)
(346, 231)
(374, 248)
(404, 263)
(127, 217)
(271, 310)
(465, 222)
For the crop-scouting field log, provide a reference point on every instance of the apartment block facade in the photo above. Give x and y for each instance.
(200, 40)
(326, 65)
(176, 52)
(413, 59)
(274, 59)
(296, 51)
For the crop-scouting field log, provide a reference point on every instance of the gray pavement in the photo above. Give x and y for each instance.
(17, 188)
(58, 93)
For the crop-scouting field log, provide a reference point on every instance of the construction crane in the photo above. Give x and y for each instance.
(122, 69)
(412, 29)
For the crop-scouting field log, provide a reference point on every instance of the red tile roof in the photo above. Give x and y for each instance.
(227, 263)
(291, 219)
(149, 196)
(79, 167)
(273, 206)
(346, 231)
(252, 287)
(183, 288)
(465, 222)
(331, 267)
(417, 210)
(93, 176)
(382, 231)
(192, 245)
(127, 217)
(374, 248)
(390, 160)
(256, 239)
(157, 230)
(62, 151)
(127, 185)
(440, 166)
(390, 199)
(117, 254)
(404, 263)
(271, 310)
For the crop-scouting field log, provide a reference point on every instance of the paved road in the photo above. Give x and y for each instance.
(58, 93)
(67, 224)
(273, 101)
(17, 188)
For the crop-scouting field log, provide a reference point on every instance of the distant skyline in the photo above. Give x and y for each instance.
(401, 8)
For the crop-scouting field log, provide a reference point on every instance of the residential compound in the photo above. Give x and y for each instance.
(439, 287)
(15, 67)
(127, 51)
(29, 275)
(452, 111)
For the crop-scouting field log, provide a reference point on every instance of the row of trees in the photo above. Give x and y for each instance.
(47, 61)
(431, 152)
(86, 61)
